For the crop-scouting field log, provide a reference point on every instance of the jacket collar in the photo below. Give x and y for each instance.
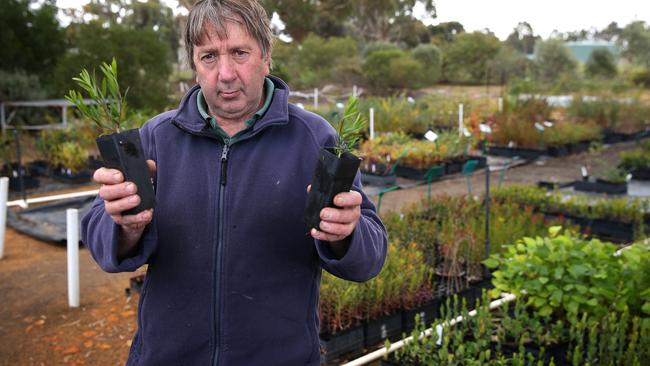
(189, 119)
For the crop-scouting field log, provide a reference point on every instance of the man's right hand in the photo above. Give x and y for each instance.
(118, 197)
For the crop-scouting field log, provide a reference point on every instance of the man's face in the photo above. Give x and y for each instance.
(231, 72)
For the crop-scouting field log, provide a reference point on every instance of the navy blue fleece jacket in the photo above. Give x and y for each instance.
(233, 274)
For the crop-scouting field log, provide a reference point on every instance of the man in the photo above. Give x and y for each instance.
(233, 271)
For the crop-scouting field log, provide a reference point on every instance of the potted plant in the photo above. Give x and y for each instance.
(337, 166)
(119, 149)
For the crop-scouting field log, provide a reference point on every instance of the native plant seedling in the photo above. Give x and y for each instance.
(336, 166)
(119, 149)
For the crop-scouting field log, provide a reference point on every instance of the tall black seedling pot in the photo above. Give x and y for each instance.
(123, 151)
(333, 175)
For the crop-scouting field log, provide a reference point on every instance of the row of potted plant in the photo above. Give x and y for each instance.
(578, 302)
(399, 154)
(435, 252)
(636, 162)
(618, 219)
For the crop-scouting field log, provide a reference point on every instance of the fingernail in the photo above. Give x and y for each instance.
(340, 201)
(117, 175)
(130, 188)
(327, 215)
(133, 199)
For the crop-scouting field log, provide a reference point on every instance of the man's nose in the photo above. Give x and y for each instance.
(227, 70)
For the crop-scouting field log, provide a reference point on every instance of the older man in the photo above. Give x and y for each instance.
(233, 272)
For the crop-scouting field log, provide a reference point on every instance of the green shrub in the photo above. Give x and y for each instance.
(565, 274)
(377, 66)
(601, 64)
(405, 73)
(18, 85)
(430, 57)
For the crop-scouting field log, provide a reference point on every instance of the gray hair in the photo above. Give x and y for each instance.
(248, 13)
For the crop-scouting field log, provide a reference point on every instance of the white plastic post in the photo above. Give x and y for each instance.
(315, 97)
(500, 104)
(460, 119)
(354, 91)
(4, 194)
(372, 123)
(73, 256)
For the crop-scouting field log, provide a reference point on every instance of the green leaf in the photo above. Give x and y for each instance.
(491, 262)
(543, 280)
(554, 230)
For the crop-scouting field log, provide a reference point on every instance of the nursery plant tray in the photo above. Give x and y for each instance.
(333, 346)
(600, 186)
(386, 327)
(378, 180)
(523, 153)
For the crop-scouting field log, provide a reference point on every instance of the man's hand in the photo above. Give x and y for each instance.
(120, 196)
(337, 224)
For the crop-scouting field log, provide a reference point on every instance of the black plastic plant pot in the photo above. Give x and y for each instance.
(123, 151)
(333, 175)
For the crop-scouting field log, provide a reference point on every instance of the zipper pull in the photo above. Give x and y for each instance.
(224, 163)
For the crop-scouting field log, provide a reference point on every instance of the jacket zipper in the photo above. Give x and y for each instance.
(220, 245)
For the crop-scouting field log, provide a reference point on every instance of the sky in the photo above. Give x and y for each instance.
(501, 16)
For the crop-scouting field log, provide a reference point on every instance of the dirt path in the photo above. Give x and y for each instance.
(38, 328)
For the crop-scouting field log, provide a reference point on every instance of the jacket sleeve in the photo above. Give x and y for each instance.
(367, 252)
(99, 232)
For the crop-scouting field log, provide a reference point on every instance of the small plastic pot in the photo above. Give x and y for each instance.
(123, 151)
(333, 175)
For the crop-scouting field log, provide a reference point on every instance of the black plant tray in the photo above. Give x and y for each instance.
(578, 147)
(29, 182)
(615, 231)
(333, 346)
(428, 312)
(71, 178)
(554, 185)
(610, 136)
(600, 186)
(454, 167)
(411, 173)
(510, 152)
(556, 151)
(40, 168)
(378, 180)
(641, 174)
(385, 327)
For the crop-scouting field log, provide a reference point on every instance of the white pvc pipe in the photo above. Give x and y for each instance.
(372, 123)
(4, 193)
(315, 97)
(73, 256)
(397, 345)
(52, 198)
(500, 104)
(460, 119)
(354, 91)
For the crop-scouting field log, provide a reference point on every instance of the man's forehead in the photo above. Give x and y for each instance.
(212, 32)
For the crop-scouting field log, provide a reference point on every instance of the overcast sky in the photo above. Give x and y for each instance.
(501, 16)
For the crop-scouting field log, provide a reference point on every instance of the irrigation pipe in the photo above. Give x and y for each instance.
(373, 356)
(25, 203)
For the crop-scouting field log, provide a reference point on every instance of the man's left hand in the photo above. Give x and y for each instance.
(339, 223)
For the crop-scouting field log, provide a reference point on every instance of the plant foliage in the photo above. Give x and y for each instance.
(349, 127)
(108, 109)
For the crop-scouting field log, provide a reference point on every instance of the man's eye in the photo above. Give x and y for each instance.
(207, 57)
(240, 53)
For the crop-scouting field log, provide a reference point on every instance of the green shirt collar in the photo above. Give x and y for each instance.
(269, 88)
